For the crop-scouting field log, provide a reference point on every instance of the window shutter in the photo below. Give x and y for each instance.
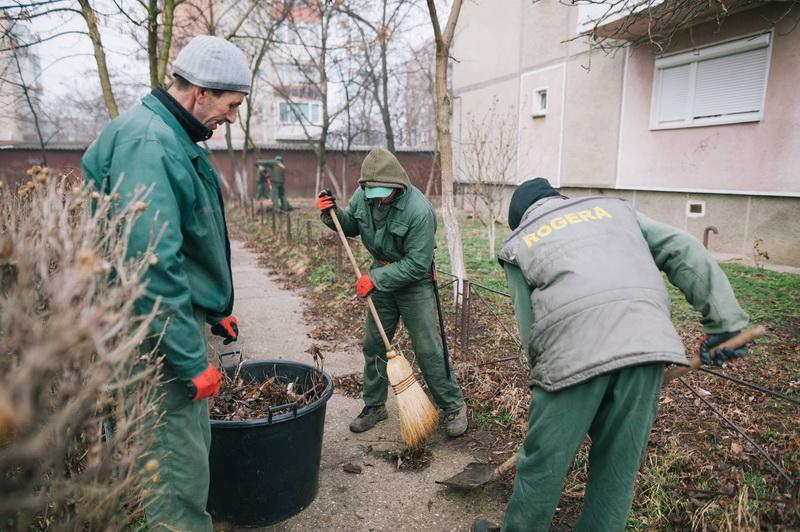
(730, 85)
(673, 101)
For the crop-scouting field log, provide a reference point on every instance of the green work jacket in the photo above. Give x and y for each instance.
(147, 147)
(404, 236)
(277, 173)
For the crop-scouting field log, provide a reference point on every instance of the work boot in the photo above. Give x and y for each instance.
(481, 524)
(456, 422)
(368, 418)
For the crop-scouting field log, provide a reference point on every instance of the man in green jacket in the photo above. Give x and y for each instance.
(154, 146)
(272, 174)
(594, 314)
(397, 225)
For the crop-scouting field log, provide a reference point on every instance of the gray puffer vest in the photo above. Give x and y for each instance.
(599, 301)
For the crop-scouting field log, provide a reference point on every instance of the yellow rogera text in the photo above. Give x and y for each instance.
(560, 222)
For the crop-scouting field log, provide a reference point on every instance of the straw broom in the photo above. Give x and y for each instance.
(418, 417)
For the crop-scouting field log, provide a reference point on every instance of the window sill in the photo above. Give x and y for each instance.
(710, 122)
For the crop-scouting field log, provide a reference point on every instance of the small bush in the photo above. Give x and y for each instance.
(70, 366)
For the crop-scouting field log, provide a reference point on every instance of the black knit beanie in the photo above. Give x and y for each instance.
(526, 195)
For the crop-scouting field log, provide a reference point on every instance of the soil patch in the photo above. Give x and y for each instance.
(406, 459)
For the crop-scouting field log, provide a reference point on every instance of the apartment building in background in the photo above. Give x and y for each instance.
(702, 135)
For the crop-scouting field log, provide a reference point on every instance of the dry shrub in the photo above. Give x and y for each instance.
(74, 389)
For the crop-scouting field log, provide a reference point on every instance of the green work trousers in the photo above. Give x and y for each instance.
(415, 304)
(182, 440)
(617, 410)
(278, 197)
(260, 190)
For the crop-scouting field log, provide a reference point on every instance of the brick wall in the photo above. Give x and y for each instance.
(300, 166)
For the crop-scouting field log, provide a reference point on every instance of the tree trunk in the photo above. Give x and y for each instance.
(168, 17)
(445, 141)
(100, 58)
(32, 107)
(385, 108)
(152, 41)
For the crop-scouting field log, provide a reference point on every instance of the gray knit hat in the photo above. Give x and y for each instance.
(213, 63)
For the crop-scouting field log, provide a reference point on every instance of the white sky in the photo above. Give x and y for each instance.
(68, 64)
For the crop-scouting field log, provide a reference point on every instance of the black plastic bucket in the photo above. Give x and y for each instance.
(266, 470)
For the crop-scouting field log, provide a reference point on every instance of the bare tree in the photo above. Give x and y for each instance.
(19, 82)
(621, 23)
(377, 38)
(487, 161)
(443, 40)
(88, 13)
(315, 55)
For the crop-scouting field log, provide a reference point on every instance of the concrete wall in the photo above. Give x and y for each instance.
(591, 121)
(760, 157)
(742, 222)
(487, 42)
(541, 137)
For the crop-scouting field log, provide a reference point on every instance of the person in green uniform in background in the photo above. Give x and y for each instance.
(154, 145)
(398, 226)
(594, 313)
(275, 173)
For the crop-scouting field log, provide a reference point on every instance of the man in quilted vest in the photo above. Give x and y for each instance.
(594, 315)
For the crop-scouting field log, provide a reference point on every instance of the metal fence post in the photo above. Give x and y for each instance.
(465, 328)
(288, 228)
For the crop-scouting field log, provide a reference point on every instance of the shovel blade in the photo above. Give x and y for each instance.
(474, 475)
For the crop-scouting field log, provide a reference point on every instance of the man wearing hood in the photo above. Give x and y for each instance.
(154, 146)
(397, 225)
(594, 314)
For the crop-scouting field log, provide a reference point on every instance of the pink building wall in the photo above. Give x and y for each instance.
(757, 157)
(540, 138)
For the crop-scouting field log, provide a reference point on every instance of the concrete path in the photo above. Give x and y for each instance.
(381, 497)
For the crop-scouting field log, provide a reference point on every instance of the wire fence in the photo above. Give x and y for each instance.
(479, 314)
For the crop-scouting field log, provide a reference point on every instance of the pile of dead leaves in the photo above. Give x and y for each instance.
(349, 385)
(240, 400)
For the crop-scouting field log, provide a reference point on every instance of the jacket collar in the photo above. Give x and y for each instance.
(196, 130)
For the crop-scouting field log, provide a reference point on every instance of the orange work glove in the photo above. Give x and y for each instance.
(364, 285)
(326, 201)
(227, 328)
(204, 385)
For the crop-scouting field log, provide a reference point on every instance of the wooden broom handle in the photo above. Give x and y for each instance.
(744, 337)
(353, 261)
(508, 465)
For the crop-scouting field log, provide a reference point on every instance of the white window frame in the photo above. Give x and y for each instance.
(693, 57)
(537, 109)
(295, 121)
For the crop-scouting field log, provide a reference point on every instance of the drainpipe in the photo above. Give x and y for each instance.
(708, 229)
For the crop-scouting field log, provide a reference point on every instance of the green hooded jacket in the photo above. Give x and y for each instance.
(400, 235)
(147, 147)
